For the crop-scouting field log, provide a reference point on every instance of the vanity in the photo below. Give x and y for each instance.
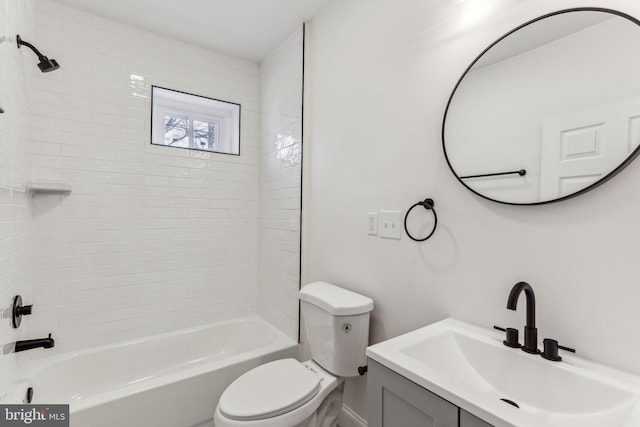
(454, 374)
(398, 401)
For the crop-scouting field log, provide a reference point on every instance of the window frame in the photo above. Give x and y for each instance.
(225, 114)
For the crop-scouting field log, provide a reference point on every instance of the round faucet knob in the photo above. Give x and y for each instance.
(550, 351)
(512, 338)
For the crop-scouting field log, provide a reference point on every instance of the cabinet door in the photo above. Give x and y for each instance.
(395, 401)
(468, 420)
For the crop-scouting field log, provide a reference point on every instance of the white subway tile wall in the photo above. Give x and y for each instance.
(15, 222)
(280, 183)
(151, 238)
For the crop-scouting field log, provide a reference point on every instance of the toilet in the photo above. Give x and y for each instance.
(289, 393)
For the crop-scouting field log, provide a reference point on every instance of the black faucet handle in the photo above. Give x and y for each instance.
(569, 349)
(551, 347)
(550, 351)
(512, 339)
(25, 310)
(19, 310)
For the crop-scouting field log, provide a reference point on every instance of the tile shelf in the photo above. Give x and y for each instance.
(48, 187)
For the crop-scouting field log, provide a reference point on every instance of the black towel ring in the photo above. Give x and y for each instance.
(428, 205)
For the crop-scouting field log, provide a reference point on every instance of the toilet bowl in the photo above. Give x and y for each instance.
(289, 393)
(283, 393)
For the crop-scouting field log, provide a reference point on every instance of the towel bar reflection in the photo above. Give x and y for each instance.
(521, 172)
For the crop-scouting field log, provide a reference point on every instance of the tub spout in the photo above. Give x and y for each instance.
(30, 344)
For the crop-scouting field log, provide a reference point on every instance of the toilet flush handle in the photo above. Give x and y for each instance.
(362, 370)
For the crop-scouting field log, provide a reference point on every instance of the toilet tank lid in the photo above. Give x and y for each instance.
(335, 300)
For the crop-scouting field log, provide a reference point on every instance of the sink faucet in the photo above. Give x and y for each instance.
(29, 344)
(530, 330)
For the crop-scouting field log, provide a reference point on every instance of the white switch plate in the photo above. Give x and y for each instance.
(390, 224)
(372, 223)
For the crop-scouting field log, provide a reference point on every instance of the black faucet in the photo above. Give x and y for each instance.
(530, 330)
(29, 344)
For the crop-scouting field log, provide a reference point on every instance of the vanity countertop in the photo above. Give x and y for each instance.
(470, 367)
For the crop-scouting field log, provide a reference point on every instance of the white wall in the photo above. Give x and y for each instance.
(151, 238)
(280, 181)
(15, 16)
(379, 74)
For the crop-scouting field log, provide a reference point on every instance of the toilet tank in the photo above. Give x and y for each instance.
(337, 325)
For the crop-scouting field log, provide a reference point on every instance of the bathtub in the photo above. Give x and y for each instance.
(168, 380)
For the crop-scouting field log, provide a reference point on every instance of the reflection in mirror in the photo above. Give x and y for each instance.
(550, 110)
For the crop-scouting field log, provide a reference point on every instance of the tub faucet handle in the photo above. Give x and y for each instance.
(19, 310)
(25, 310)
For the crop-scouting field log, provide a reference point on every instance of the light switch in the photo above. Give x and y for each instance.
(372, 223)
(390, 224)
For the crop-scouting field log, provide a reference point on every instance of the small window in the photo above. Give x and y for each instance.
(195, 122)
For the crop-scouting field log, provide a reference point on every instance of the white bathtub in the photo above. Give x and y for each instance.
(167, 380)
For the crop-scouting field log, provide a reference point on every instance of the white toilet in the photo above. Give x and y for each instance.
(288, 393)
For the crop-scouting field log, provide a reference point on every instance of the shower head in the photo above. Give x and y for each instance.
(45, 64)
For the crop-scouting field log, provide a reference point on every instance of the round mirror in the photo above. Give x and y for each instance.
(548, 111)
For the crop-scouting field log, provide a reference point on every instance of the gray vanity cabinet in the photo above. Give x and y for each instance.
(469, 420)
(395, 401)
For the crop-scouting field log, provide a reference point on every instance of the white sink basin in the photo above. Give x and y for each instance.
(470, 367)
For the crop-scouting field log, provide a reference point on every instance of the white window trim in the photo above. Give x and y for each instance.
(225, 114)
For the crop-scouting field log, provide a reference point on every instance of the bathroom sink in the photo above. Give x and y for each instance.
(470, 367)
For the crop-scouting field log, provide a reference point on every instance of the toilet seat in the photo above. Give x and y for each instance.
(269, 390)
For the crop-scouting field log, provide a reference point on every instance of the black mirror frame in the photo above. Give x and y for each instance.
(601, 181)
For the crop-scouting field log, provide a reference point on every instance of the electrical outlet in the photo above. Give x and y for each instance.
(372, 223)
(390, 224)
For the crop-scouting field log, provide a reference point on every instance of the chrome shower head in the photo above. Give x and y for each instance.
(46, 65)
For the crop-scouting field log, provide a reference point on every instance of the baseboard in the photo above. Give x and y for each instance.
(348, 418)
